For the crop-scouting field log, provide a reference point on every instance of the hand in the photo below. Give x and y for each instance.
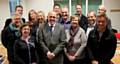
(49, 55)
(34, 63)
(53, 55)
(71, 58)
(95, 62)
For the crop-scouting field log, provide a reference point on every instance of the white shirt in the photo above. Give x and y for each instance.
(53, 26)
(88, 31)
(90, 27)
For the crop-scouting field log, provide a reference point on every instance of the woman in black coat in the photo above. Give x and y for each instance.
(24, 48)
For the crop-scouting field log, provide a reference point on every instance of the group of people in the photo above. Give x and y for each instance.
(59, 39)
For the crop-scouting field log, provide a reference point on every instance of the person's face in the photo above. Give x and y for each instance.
(57, 9)
(79, 9)
(33, 15)
(101, 23)
(52, 18)
(19, 10)
(101, 10)
(91, 18)
(65, 13)
(25, 31)
(40, 17)
(17, 20)
(74, 23)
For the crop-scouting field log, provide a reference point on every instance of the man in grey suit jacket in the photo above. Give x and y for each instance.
(52, 41)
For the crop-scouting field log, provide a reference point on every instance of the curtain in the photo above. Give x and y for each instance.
(12, 4)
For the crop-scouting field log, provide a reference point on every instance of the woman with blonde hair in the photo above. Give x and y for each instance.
(76, 43)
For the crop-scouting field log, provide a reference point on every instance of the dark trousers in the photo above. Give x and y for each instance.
(77, 61)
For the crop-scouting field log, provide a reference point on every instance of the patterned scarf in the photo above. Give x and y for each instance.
(72, 35)
(14, 29)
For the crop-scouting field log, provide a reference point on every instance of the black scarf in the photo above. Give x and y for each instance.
(72, 35)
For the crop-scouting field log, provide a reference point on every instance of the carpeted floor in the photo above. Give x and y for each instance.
(116, 59)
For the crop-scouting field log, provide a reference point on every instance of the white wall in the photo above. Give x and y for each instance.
(4, 12)
(44, 5)
(114, 16)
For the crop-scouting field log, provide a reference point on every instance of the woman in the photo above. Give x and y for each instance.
(40, 20)
(24, 48)
(32, 17)
(41, 17)
(76, 43)
(10, 34)
(34, 32)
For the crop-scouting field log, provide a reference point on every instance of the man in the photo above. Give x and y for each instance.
(19, 10)
(101, 42)
(57, 9)
(91, 22)
(52, 38)
(83, 20)
(65, 18)
(102, 11)
(10, 34)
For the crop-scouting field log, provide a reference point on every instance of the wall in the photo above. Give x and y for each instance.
(44, 5)
(4, 12)
(114, 16)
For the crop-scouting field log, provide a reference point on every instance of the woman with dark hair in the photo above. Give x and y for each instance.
(24, 48)
(36, 25)
(32, 17)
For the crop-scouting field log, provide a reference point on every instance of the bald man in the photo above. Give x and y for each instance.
(102, 11)
(52, 38)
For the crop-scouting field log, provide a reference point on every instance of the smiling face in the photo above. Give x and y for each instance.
(74, 22)
(41, 17)
(52, 17)
(101, 23)
(65, 13)
(16, 19)
(101, 10)
(79, 9)
(57, 9)
(32, 15)
(25, 31)
(91, 18)
(19, 10)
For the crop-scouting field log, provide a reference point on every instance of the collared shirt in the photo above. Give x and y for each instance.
(53, 26)
(89, 29)
(66, 23)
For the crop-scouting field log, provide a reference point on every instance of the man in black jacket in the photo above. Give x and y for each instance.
(101, 42)
(83, 20)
